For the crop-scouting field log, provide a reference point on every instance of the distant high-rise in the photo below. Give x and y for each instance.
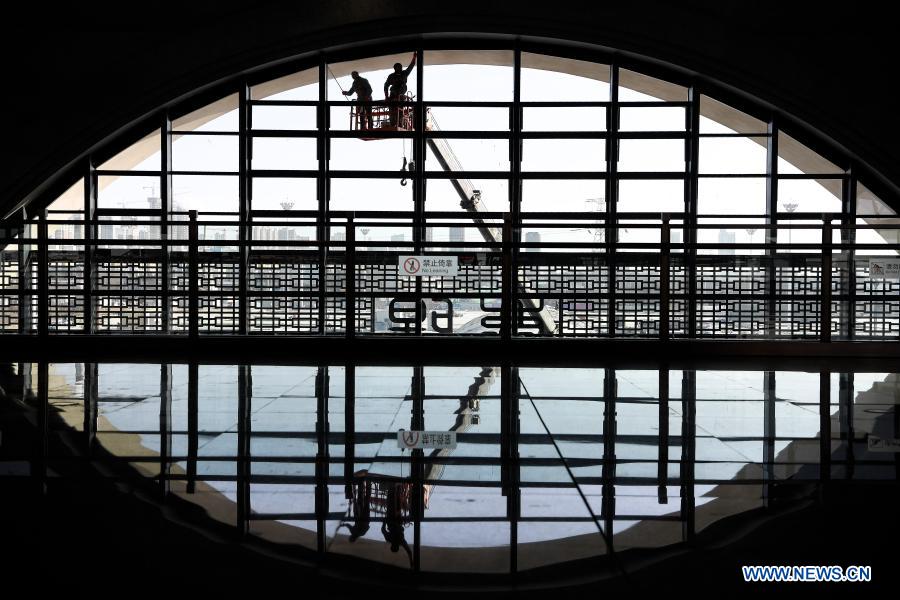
(532, 237)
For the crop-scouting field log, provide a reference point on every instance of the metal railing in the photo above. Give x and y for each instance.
(809, 277)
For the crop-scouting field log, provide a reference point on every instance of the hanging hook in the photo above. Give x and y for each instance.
(403, 170)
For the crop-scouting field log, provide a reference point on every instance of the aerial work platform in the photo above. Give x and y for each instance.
(387, 116)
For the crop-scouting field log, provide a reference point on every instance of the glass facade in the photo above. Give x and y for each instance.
(574, 199)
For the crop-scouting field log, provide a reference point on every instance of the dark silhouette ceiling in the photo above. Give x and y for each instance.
(77, 74)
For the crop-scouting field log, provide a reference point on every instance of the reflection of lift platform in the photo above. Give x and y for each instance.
(374, 487)
(385, 117)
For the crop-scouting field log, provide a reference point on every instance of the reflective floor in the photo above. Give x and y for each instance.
(551, 465)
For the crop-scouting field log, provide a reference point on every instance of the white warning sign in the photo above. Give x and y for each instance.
(884, 268)
(415, 440)
(877, 444)
(427, 266)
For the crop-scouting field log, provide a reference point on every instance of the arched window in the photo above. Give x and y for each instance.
(628, 202)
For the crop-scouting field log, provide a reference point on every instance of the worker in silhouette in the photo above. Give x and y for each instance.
(363, 91)
(392, 527)
(395, 87)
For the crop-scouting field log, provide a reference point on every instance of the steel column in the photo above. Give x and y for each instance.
(165, 209)
(25, 279)
(193, 276)
(662, 465)
(848, 240)
(39, 468)
(245, 191)
(90, 388)
(608, 505)
(417, 467)
(89, 233)
(511, 262)
(612, 197)
(193, 418)
(825, 283)
(846, 392)
(349, 428)
(769, 399)
(165, 428)
(321, 474)
(244, 465)
(772, 223)
(323, 121)
(824, 426)
(418, 182)
(664, 276)
(43, 276)
(688, 445)
(350, 284)
(691, 194)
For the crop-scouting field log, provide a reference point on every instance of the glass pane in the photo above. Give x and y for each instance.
(555, 79)
(284, 154)
(133, 191)
(795, 158)
(468, 75)
(665, 195)
(733, 196)
(563, 195)
(654, 118)
(205, 153)
(809, 195)
(564, 155)
(280, 193)
(284, 117)
(651, 155)
(716, 117)
(733, 155)
(205, 193)
(637, 87)
(300, 86)
(370, 194)
(221, 115)
(566, 118)
(144, 155)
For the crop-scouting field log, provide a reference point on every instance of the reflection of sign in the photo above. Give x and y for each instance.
(427, 266)
(877, 444)
(412, 440)
(882, 268)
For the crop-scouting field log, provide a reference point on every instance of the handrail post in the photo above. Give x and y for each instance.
(508, 311)
(825, 282)
(43, 276)
(194, 271)
(350, 270)
(664, 274)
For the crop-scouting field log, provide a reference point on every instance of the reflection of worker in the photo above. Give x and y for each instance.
(361, 511)
(363, 91)
(395, 86)
(392, 527)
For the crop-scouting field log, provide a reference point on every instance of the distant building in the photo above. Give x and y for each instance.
(532, 237)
